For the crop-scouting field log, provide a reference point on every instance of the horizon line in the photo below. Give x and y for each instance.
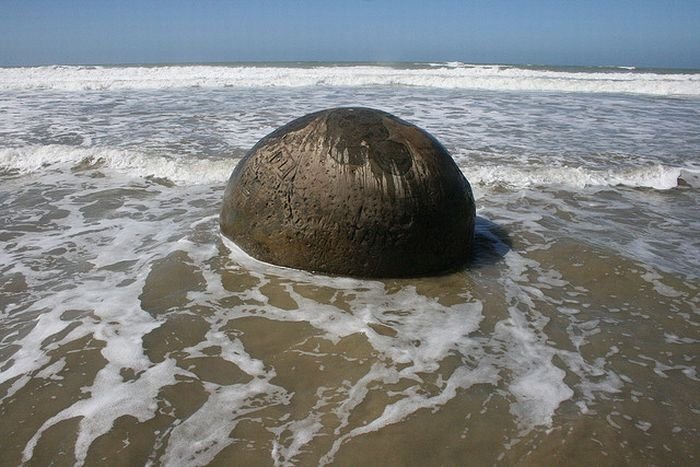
(628, 67)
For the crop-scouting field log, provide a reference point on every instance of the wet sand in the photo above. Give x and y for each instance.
(544, 351)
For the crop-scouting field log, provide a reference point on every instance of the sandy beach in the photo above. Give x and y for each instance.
(133, 333)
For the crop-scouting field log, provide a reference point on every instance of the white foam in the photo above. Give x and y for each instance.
(539, 393)
(453, 75)
(186, 171)
(195, 171)
(462, 378)
(655, 176)
(199, 438)
(111, 398)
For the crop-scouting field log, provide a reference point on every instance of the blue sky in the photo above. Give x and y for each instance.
(653, 33)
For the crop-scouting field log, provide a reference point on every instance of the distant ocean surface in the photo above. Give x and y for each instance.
(132, 333)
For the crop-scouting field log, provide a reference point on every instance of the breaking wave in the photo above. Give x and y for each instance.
(655, 176)
(451, 75)
(189, 171)
(200, 171)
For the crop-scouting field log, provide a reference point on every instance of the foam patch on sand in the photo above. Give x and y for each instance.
(410, 334)
(89, 265)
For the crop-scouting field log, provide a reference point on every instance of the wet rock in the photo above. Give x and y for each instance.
(351, 191)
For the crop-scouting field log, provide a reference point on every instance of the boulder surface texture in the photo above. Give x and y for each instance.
(351, 191)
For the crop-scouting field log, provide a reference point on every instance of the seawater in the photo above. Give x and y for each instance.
(132, 333)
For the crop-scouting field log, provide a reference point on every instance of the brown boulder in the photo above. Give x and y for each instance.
(351, 191)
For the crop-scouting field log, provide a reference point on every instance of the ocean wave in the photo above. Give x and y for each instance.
(657, 176)
(451, 75)
(200, 171)
(182, 171)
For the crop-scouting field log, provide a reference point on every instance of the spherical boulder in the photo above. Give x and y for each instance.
(351, 191)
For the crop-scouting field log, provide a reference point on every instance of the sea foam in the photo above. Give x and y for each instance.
(445, 76)
(197, 171)
(657, 176)
(190, 171)
(201, 171)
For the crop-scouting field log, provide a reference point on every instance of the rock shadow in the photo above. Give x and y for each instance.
(491, 243)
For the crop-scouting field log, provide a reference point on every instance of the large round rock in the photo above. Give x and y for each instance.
(351, 191)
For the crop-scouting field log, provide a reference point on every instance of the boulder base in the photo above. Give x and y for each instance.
(351, 191)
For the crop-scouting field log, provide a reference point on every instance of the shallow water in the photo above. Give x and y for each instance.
(133, 333)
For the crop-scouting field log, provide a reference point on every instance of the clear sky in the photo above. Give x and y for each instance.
(654, 33)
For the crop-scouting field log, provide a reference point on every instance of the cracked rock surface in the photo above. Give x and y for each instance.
(351, 191)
